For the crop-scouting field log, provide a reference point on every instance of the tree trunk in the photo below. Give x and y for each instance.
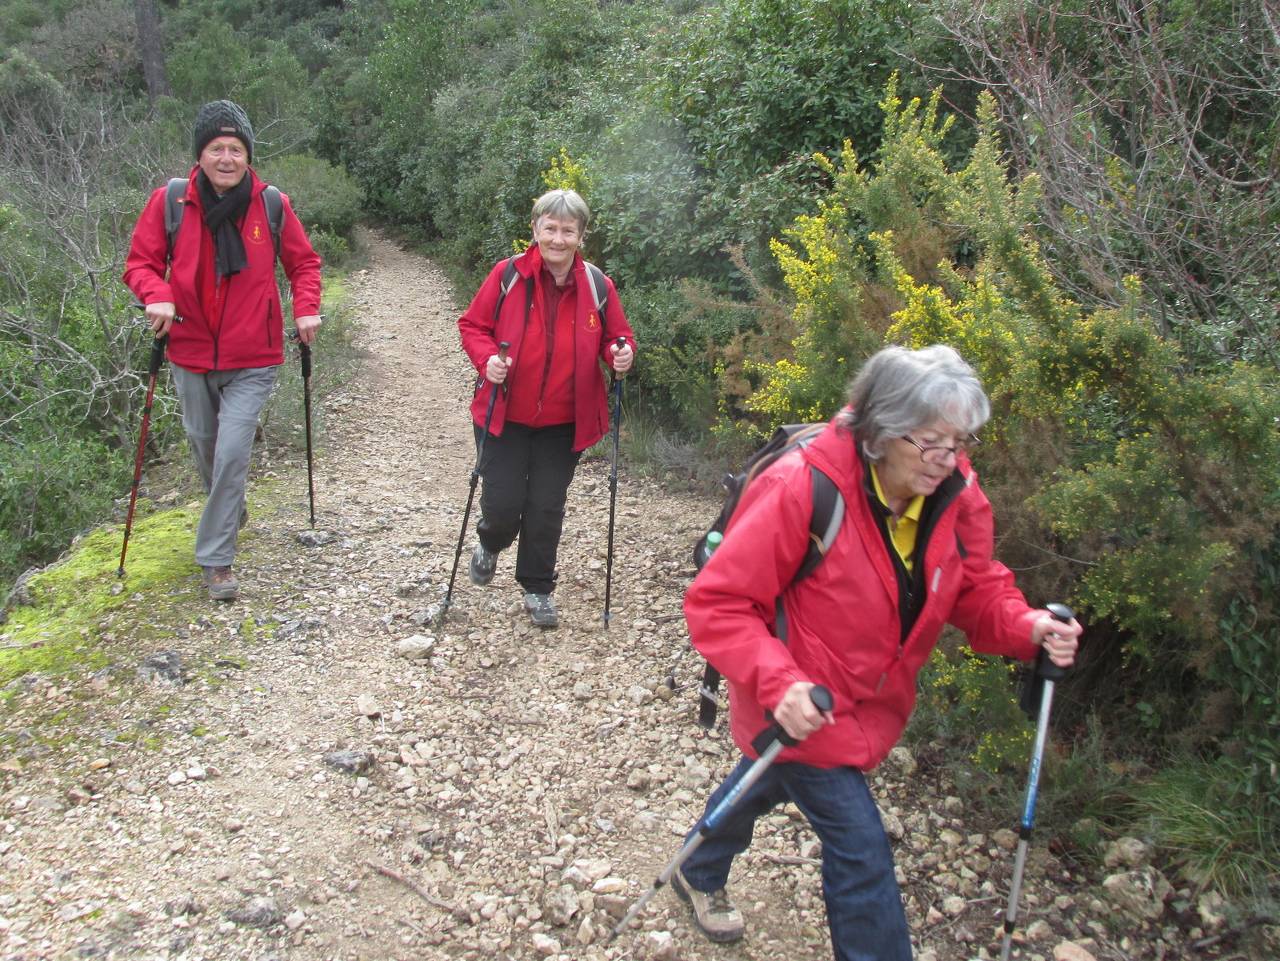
(151, 50)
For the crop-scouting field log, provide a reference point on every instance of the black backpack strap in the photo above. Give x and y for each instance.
(509, 275)
(175, 200)
(275, 214)
(709, 697)
(175, 203)
(824, 525)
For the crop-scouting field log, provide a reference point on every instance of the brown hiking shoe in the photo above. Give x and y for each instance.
(713, 913)
(222, 583)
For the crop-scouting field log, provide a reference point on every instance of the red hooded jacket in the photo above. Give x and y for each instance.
(591, 342)
(239, 322)
(843, 621)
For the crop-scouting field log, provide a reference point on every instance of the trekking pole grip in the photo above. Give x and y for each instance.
(819, 696)
(1045, 667)
(620, 342)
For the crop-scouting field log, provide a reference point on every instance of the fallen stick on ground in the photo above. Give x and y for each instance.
(419, 890)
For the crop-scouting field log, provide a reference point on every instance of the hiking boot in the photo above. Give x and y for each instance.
(542, 610)
(222, 583)
(482, 566)
(714, 915)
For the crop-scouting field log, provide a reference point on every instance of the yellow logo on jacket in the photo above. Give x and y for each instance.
(593, 321)
(257, 235)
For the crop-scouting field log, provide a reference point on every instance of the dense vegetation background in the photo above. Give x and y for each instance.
(1084, 197)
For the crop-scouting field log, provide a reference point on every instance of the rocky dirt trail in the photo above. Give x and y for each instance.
(333, 778)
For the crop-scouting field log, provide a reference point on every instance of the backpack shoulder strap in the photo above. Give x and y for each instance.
(509, 275)
(275, 214)
(175, 193)
(599, 291)
(824, 525)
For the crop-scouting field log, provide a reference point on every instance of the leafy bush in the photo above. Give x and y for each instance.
(1150, 474)
(333, 249)
(966, 703)
(52, 488)
(325, 197)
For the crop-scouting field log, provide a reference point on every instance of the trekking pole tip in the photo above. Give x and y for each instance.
(436, 613)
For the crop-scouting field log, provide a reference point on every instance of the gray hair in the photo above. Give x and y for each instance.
(561, 204)
(898, 391)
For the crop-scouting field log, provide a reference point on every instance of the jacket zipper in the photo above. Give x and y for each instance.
(933, 586)
(549, 340)
(220, 299)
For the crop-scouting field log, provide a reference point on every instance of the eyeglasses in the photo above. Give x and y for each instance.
(937, 454)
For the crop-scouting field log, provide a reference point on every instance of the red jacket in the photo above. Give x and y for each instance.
(591, 342)
(844, 627)
(239, 322)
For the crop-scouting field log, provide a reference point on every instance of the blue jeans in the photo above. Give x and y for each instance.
(864, 906)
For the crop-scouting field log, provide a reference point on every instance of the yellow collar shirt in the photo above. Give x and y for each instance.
(902, 530)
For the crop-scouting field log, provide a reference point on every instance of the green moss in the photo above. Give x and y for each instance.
(61, 630)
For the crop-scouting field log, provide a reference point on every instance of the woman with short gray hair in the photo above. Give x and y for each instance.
(913, 553)
(561, 321)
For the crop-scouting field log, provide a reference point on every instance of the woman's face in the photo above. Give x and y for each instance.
(558, 239)
(904, 472)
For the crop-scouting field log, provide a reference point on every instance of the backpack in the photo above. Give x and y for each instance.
(824, 524)
(175, 206)
(599, 292)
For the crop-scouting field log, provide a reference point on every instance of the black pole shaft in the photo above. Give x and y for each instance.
(613, 485)
(304, 351)
(471, 493)
(153, 373)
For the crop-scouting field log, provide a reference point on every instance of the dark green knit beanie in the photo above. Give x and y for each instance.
(222, 118)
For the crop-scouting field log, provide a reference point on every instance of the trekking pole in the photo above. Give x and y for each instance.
(1049, 673)
(768, 744)
(442, 611)
(613, 481)
(153, 372)
(304, 352)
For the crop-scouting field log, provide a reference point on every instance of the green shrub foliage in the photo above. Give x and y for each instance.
(1151, 480)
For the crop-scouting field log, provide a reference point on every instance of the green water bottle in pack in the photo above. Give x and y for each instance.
(709, 546)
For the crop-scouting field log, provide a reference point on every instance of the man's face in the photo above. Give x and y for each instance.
(224, 161)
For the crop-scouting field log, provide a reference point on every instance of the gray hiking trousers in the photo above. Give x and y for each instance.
(220, 415)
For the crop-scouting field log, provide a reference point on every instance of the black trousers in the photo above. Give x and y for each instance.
(526, 475)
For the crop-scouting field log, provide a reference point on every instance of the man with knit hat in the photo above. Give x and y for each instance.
(215, 294)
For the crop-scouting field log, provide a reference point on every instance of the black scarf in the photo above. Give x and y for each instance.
(222, 215)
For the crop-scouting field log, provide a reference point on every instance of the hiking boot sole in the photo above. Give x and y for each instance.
(720, 937)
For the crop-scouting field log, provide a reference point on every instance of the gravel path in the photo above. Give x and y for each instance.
(521, 787)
